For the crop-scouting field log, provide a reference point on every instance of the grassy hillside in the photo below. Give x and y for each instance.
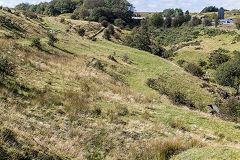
(88, 99)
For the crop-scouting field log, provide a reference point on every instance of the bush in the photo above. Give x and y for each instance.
(6, 67)
(157, 20)
(231, 109)
(119, 22)
(207, 22)
(104, 23)
(62, 20)
(194, 70)
(202, 63)
(52, 39)
(36, 43)
(17, 14)
(107, 34)
(7, 23)
(117, 36)
(181, 62)
(81, 31)
(111, 29)
(158, 50)
(30, 15)
(217, 58)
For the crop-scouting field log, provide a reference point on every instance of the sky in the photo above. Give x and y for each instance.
(156, 5)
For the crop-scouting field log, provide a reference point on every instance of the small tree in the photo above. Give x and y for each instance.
(104, 23)
(168, 22)
(157, 20)
(107, 34)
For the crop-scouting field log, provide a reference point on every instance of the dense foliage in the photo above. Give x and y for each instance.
(85, 9)
(228, 74)
(209, 9)
(173, 36)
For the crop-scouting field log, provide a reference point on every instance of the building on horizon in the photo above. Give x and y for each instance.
(221, 13)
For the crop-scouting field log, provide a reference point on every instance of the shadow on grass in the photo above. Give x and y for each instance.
(64, 50)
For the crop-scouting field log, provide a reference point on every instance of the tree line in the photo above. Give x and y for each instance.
(93, 10)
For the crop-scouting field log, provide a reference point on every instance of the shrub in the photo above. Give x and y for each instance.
(111, 29)
(158, 50)
(7, 67)
(7, 23)
(231, 109)
(181, 62)
(104, 23)
(157, 20)
(217, 57)
(112, 58)
(36, 43)
(194, 70)
(207, 22)
(52, 39)
(107, 34)
(17, 14)
(202, 63)
(179, 124)
(62, 20)
(30, 15)
(81, 31)
(116, 35)
(119, 22)
(195, 21)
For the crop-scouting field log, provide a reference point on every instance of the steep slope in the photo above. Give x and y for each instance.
(89, 99)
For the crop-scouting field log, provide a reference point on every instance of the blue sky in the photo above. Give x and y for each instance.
(157, 5)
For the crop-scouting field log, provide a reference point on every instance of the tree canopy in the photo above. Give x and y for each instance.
(209, 9)
(85, 9)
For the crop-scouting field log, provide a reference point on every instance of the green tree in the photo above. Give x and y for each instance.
(157, 20)
(139, 38)
(228, 74)
(168, 22)
(91, 4)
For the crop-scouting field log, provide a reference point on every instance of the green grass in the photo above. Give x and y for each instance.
(213, 153)
(79, 110)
